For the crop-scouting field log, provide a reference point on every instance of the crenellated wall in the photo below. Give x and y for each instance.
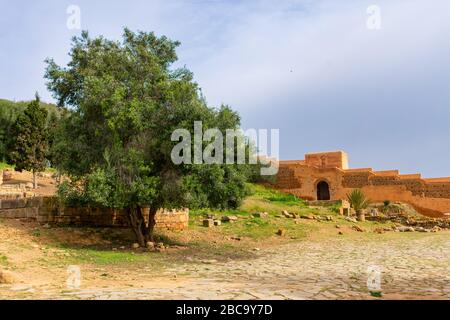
(429, 196)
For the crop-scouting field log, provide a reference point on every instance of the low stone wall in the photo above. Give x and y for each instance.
(50, 210)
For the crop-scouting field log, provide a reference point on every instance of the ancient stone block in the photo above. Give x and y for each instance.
(208, 223)
(9, 204)
(261, 215)
(229, 218)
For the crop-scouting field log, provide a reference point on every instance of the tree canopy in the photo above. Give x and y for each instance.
(9, 111)
(126, 100)
(29, 145)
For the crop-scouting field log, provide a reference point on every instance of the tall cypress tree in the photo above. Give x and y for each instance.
(29, 145)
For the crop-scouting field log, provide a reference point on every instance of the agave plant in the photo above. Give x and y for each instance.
(359, 202)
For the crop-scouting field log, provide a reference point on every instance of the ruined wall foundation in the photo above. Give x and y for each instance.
(50, 210)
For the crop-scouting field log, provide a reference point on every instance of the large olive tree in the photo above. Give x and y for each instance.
(126, 100)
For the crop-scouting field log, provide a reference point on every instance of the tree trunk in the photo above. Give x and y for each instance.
(137, 224)
(34, 180)
(151, 224)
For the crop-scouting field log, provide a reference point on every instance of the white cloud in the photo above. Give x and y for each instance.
(278, 52)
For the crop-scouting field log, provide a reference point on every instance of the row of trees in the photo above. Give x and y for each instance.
(9, 112)
(26, 133)
(125, 99)
(119, 103)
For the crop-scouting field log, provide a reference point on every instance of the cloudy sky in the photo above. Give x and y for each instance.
(312, 69)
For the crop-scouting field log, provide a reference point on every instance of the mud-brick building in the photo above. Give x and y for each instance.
(327, 176)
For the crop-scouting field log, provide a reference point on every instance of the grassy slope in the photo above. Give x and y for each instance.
(4, 165)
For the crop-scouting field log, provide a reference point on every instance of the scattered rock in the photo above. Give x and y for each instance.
(236, 238)
(211, 261)
(350, 219)
(160, 245)
(379, 230)
(435, 229)
(208, 223)
(341, 233)
(287, 214)
(150, 245)
(256, 249)
(7, 175)
(406, 229)
(210, 216)
(229, 218)
(46, 226)
(29, 185)
(135, 246)
(358, 228)
(6, 277)
(217, 223)
(262, 215)
(281, 232)
(308, 217)
(329, 218)
(338, 226)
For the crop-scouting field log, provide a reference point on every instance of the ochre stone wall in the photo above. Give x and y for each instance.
(336, 159)
(49, 210)
(429, 196)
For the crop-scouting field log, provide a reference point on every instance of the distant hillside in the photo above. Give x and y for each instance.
(19, 106)
(9, 110)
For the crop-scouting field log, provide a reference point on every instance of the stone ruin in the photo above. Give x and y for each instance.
(327, 176)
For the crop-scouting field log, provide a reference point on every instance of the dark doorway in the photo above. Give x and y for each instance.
(323, 191)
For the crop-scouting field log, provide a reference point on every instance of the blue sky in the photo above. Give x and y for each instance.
(309, 68)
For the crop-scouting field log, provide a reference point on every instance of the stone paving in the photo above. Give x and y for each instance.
(330, 269)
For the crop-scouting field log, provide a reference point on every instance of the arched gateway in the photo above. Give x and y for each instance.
(323, 191)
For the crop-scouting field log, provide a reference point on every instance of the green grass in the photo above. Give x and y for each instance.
(3, 260)
(4, 165)
(102, 257)
(262, 200)
(106, 256)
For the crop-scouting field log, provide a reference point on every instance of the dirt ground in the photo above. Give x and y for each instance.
(46, 182)
(323, 265)
(315, 259)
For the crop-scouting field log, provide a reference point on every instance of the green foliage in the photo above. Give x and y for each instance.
(115, 143)
(287, 199)
(29, 146)
(276, 196)
(3, 260)
(358, 200)
(4, 165)
(9, 111)
(8, 115)
(386, 203)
